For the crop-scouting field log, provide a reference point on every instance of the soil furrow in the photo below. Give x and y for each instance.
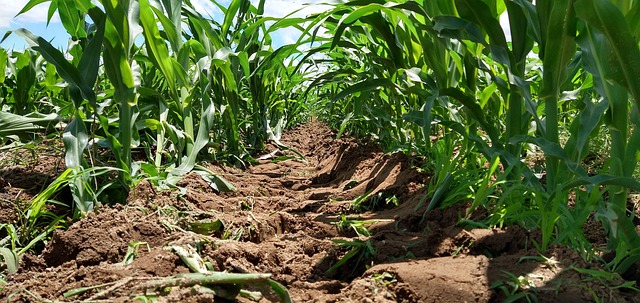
(296, 219)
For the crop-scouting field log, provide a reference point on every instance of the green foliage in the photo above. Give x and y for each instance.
(441, 80)
(359, 251)
(357, 225)
(132, 252)
(193, 84)
(516, 289)
(409, 71)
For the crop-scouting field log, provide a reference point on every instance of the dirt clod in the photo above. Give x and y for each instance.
(295, 220)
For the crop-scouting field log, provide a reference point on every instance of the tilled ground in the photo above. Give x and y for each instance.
(284, 220)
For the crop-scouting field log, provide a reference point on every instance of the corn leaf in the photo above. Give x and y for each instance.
(72, 20)
(559, 46)
(31, 4)
(89, 65)
(457, 28)
(67, 71)
(172, 23)
(521, 43)
(624, 54)
(475, 111)
(364, 86)
(10, 259)
(202, 138)
(12, 124)
(3, 63)
(156, 46)
(75, 140)
(479, 13)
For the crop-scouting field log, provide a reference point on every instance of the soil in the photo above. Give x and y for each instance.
(284, 220)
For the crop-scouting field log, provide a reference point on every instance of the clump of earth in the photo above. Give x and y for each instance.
(345, 222)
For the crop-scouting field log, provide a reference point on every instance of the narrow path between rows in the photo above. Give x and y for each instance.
(297, 218)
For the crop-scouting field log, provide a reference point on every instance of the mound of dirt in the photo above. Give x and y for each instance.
(339, 225)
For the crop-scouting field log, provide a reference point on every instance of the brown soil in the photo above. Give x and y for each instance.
(282, 220)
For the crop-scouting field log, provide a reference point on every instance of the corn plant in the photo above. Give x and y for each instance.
(611, 51)
(399, 68)
(401, 72)
(191, 78)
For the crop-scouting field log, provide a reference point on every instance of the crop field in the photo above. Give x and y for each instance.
(398, 151)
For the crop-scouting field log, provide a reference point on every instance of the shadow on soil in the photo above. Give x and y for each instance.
(283, 220)
(439, 260)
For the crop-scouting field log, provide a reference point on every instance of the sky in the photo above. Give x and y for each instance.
(36, 20)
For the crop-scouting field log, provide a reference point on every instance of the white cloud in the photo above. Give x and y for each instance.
(273, 8)
(206, 8)
(303, 8)
(289, 35)
(10, 8)
(297, 9)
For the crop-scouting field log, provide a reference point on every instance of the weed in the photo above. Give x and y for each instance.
(358, 226)
(516, 288)
(367, 201)
(358, 203)
(132, 252)
(351, 184)
(359, 251)
(609, 280)
(385, 278)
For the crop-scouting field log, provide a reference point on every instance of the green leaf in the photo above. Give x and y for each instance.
(624, 55)
(89, 65)
(559, 46)
(38, 202)
(475, 111)
(10, 259)
(75, 140)
(173, 9)
(364, 86)
(633, 19)
(3, 63)
(352, 253)
(156, 46)
(215, 181)
(479, 13)
(12, 124)
(67, 71)
(521, 43)
(442, 188)
(31, 4)
(202, 137)
(6, 35)
(598, 180)
(206, 227)
(229, 14)
(281, 291)
(72, 20)
(582, 127)
(456, 28)
(529, 11)
(77, 291)
(25, 79)
(343, 125)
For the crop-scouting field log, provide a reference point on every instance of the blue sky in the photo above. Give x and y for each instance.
(35, 20)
